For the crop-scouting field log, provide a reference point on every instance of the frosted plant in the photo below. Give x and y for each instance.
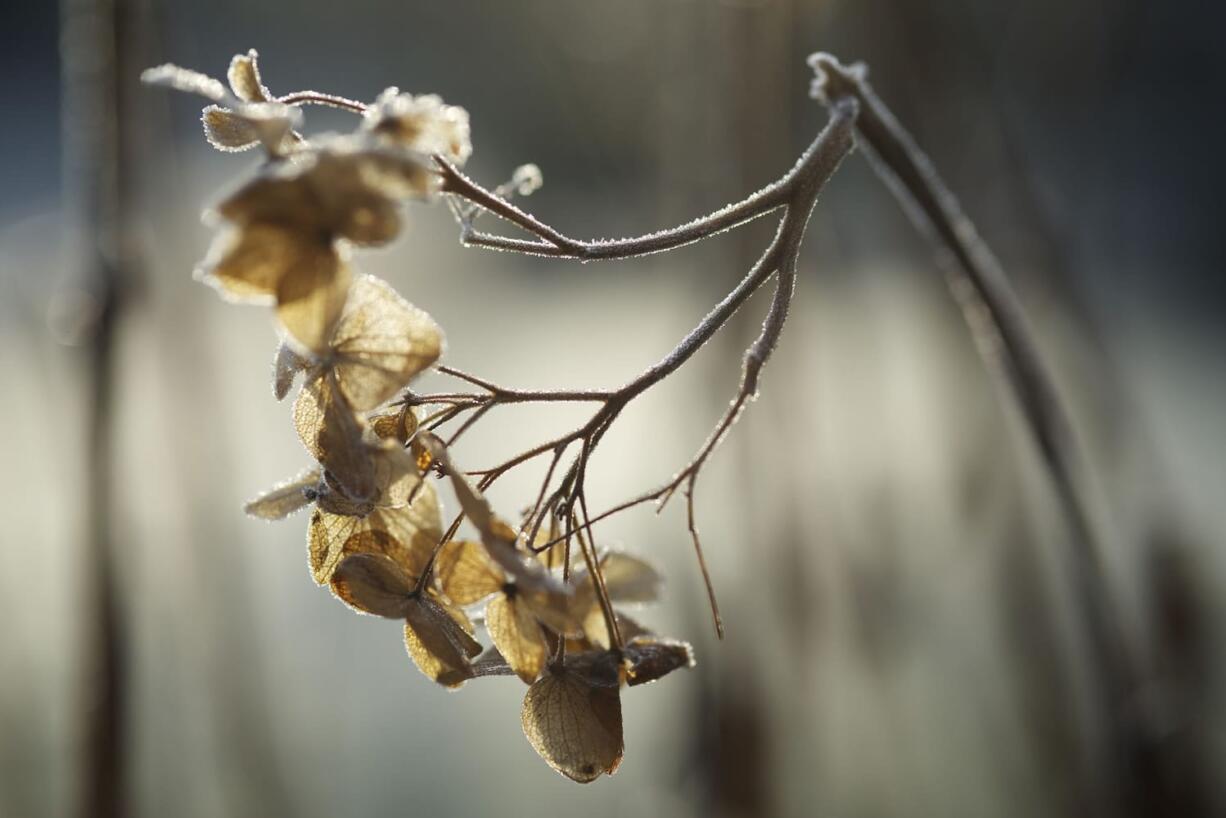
(376, 535)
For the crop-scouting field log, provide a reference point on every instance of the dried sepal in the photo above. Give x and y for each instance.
(227, 131)
(574, 722)
(185, 80)
(517, 634)
(406, 534)
(596, 628)
(331, 433)
(285, 367)
(286, 498)
(373, 584)
(649, 658)
(380, 343)
(244, 78)
(465, 573)
(630, 579)
(438, 643)
(400, 426)
(246, 265)
(310, 301)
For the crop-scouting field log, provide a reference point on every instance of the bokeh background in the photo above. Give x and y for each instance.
(903, 633)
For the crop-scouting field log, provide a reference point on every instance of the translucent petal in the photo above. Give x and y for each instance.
(373, 584)
(465, 573)
(437, 643)
(286, 498)
(244, 77)
(332, 435)
(574, 725)
(380, 342)
(518, 636)
(311, 296)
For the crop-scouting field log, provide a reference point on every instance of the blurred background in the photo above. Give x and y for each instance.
(903, 633)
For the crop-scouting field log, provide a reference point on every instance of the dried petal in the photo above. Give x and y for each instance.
(438, 644)
(286, 498)
(518, 636)
(380, 342)
(596, 629)
(332, 435)
(311, 296)
(575, 725)
(247, 264)
(630, 579)
(465, 573)
(371, 583)
(411, 532)
(227, 131)
(285, 367)
(185, 80)
(650, 658)
(244, 77)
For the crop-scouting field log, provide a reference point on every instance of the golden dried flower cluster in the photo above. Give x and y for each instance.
(375, 536)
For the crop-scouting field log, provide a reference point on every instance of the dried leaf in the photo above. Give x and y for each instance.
(399, 426)
(438, 644)
(465, 573)
(286, 498)
(311, 296)
(371, 583)
(575, 725)
(380, 342)
(332, 435)
(518, 636)
(650, 658)
(244, 77)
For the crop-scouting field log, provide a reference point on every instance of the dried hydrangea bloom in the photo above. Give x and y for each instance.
(240, 118)
(377, 346)
(421, 123)
(438, 640)
(402, 521)
(407, 534)
(285, 224)
(514, 615)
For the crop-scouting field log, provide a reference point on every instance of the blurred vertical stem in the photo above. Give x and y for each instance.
(1007, 344)
(94, 176)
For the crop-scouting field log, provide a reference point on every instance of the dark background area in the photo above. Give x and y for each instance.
(903, 636)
